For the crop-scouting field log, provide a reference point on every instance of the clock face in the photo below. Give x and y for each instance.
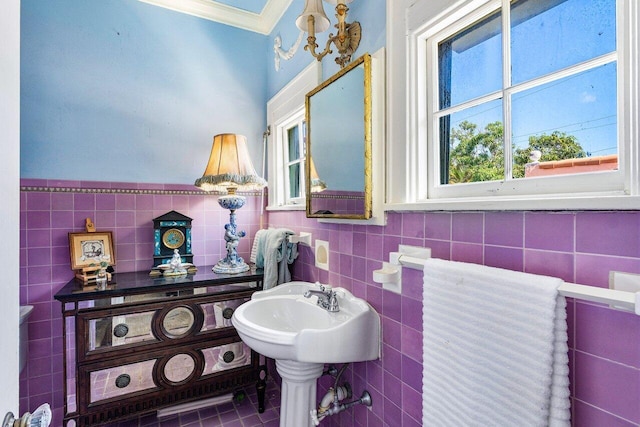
(173, 238)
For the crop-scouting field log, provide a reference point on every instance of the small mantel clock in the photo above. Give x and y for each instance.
(171, 231)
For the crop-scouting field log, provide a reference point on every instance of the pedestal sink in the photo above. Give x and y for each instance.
(281, 323)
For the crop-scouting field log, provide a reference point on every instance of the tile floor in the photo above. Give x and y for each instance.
(243, 413)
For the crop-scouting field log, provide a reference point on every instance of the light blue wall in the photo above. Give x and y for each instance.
(370, 13)
(125, 91)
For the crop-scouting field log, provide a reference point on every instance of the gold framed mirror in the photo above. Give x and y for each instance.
(338, 158)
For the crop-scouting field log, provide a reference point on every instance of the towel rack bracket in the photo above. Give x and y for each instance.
(303, 238)
(390, 275)
(626, 282)
(620, 281)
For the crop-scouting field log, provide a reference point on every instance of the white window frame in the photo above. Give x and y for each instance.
(285, 110)
(410, 24)
(282, 148)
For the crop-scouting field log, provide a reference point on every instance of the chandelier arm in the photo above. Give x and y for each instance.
(347, 39)
(311, 47)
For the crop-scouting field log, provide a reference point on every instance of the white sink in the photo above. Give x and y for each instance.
(282, 324)
(301, 336)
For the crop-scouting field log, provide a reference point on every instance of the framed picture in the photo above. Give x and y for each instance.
(90, 249)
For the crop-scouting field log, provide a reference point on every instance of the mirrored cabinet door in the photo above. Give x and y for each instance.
(158, 323)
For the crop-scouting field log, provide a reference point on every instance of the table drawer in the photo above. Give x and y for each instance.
(117, 380)
(121, 328)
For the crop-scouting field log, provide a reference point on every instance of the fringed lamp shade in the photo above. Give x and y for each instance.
(317, 185)
(229, 167)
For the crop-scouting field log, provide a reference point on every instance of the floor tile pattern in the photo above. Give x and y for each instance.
(241, 412)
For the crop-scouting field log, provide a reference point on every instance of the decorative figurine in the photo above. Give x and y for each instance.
(232, 236)
(232, 263)
(176, 266)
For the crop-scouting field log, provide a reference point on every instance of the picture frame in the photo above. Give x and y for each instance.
(90, 249)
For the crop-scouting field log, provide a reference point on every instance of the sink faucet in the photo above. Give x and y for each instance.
(327, 298)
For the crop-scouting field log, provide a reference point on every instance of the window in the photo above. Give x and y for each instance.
(293, 139)
(530, 84)
(287, 141)
(514, 100)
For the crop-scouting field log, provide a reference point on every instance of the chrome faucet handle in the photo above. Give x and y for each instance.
(332, 303)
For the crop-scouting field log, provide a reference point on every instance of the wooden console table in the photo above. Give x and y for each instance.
(144, 343)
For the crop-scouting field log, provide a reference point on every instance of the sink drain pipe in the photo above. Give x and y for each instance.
(316, 416)
(330, 403)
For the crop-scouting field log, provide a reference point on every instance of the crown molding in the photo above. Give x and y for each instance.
(272, 12)
(262, 23)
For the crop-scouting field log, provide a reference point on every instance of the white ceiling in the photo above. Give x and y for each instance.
(259, 16)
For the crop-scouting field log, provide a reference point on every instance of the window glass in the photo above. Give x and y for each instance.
(573, 117)
(563, 102)
(549, 35)
(472, 144)
(470, 63)
(293, 143)
(294, 180)
(294, 161)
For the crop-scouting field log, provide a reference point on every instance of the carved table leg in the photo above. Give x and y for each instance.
(261, 387)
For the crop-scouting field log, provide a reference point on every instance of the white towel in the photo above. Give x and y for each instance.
(495, 348)
(254, 248)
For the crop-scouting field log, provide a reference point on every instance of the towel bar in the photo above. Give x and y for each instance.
(406, 257)
(628, 301)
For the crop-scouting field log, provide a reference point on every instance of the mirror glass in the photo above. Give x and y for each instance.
(178, 322)
(338, 158)
(179, 368)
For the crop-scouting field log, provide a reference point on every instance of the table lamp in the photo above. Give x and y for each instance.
(230, 169)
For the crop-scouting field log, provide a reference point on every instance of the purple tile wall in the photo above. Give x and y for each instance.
(579, 247)
(339, 202)
(52, 209)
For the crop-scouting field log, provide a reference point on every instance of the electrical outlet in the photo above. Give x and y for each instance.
(322, 254)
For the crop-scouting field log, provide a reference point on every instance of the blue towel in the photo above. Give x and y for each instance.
(273, 253)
